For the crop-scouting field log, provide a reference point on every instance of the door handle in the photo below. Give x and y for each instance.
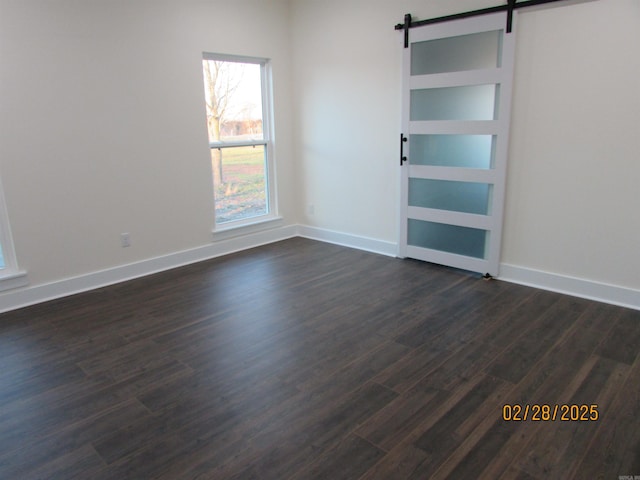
(402, 157)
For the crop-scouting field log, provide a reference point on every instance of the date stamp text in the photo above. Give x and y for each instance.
(550, 413)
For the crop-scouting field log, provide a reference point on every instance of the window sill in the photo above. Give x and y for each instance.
(11, 280)
(237, 230)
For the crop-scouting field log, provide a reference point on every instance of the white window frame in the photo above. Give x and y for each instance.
(10, 275)
(228, 229)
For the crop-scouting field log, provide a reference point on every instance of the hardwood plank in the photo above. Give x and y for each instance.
(515, 474)
(613, 449)
(79, 464)
(405, 459)
(333, 360)
(349, 459)
(397, 465)
(47, 413)
(19, 429)
(623, 342)
(441, 441)
(554, 448)
(39, 453)
(441, 437)
(276, 454)
(554, 379)
(408, 371)
(359, 371)
(515, 323)
(21, 384)
(151, 459)
(467, 362)
(475, 453)
(389, 427)
(519, 358)
(478, 433)
(289, 421)
(126, 361)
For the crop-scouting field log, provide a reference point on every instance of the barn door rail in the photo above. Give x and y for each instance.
(509, 7)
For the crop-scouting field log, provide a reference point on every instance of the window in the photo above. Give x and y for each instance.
(5, 261)
(10, 277)
(238, 104)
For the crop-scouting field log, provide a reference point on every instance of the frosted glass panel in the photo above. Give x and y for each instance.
(456, 54)
(466, 151)
(454, 103)
(467, 197)
(447, 238)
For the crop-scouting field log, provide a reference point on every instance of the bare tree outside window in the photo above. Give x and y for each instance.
(221, 83)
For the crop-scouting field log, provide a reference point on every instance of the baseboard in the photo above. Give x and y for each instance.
(18, 298)
(368, 244)
(14, 299)
(577, 287)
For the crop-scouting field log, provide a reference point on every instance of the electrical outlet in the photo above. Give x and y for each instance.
(125, 240)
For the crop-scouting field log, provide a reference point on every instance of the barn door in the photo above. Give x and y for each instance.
(456, 104)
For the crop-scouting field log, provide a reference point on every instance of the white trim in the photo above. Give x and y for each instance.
(41, 293)
(246, 226)
(246, 143)
(568, 285)
(449, 259)
(359, 242)
(467, 78)
(225, 57)
(459, 127)
(10, 280)
(464, 26)
(459, 174)
(578, 287)
(448, 217)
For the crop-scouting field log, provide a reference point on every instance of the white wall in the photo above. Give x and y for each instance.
(102, 124)
(572, 187)
(347, 74)
(102, 128)
(574, 177)
(347, 112)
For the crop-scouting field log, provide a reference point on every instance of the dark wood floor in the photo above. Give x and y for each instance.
(303, 360)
